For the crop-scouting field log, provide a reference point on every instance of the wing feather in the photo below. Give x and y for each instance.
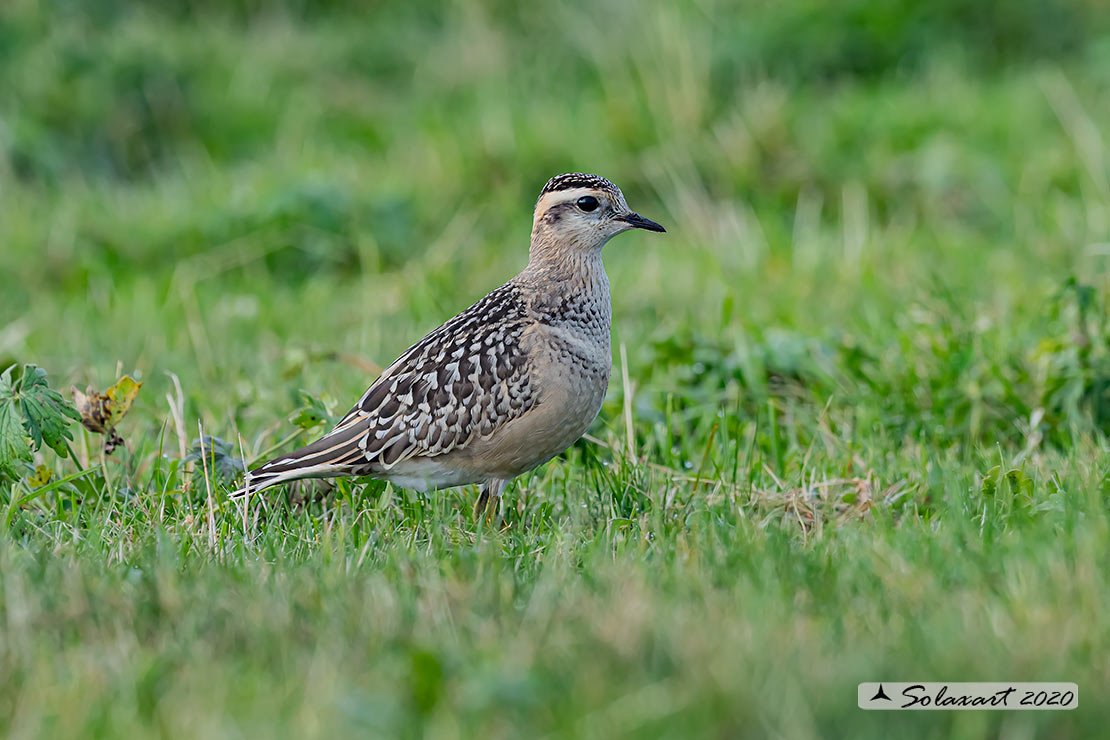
(462, 381)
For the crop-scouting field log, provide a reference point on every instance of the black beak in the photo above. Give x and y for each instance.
(637, 221)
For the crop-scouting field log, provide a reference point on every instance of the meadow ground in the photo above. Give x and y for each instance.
(858, 423)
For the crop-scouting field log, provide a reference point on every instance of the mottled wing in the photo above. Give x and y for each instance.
(462, 381)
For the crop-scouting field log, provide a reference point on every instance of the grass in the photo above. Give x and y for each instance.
(858, 423)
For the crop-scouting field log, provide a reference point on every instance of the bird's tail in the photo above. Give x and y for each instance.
(334, 454)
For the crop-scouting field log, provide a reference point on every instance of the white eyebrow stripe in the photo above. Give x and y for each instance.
(548, 200)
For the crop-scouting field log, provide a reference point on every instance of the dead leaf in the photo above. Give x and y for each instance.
(102, 412)
(90, 405)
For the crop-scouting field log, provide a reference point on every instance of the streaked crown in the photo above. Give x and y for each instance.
(573, 180)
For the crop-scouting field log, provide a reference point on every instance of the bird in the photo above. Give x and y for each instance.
(504, 386)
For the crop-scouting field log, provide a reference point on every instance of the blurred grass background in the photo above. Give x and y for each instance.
(869, 377)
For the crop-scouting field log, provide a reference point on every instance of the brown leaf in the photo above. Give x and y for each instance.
(93, 409)
(101, 412)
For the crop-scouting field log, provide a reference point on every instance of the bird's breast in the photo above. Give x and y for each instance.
(573, 353)
(569, 373)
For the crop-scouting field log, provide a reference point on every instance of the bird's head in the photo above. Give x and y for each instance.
(581, 212)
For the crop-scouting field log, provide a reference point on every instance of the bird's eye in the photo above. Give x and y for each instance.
(587, 203)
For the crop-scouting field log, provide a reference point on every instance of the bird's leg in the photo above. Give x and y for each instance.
(483, 501)
(489, 499)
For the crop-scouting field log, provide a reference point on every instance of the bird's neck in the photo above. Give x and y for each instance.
(569, 289)
(572, 266)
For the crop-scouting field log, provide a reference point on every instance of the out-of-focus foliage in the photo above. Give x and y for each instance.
(861, 431)
(109, 89)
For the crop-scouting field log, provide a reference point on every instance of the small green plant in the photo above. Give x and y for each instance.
(1072, 367)
(213, 456)
(31, 414)
(314, 412)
